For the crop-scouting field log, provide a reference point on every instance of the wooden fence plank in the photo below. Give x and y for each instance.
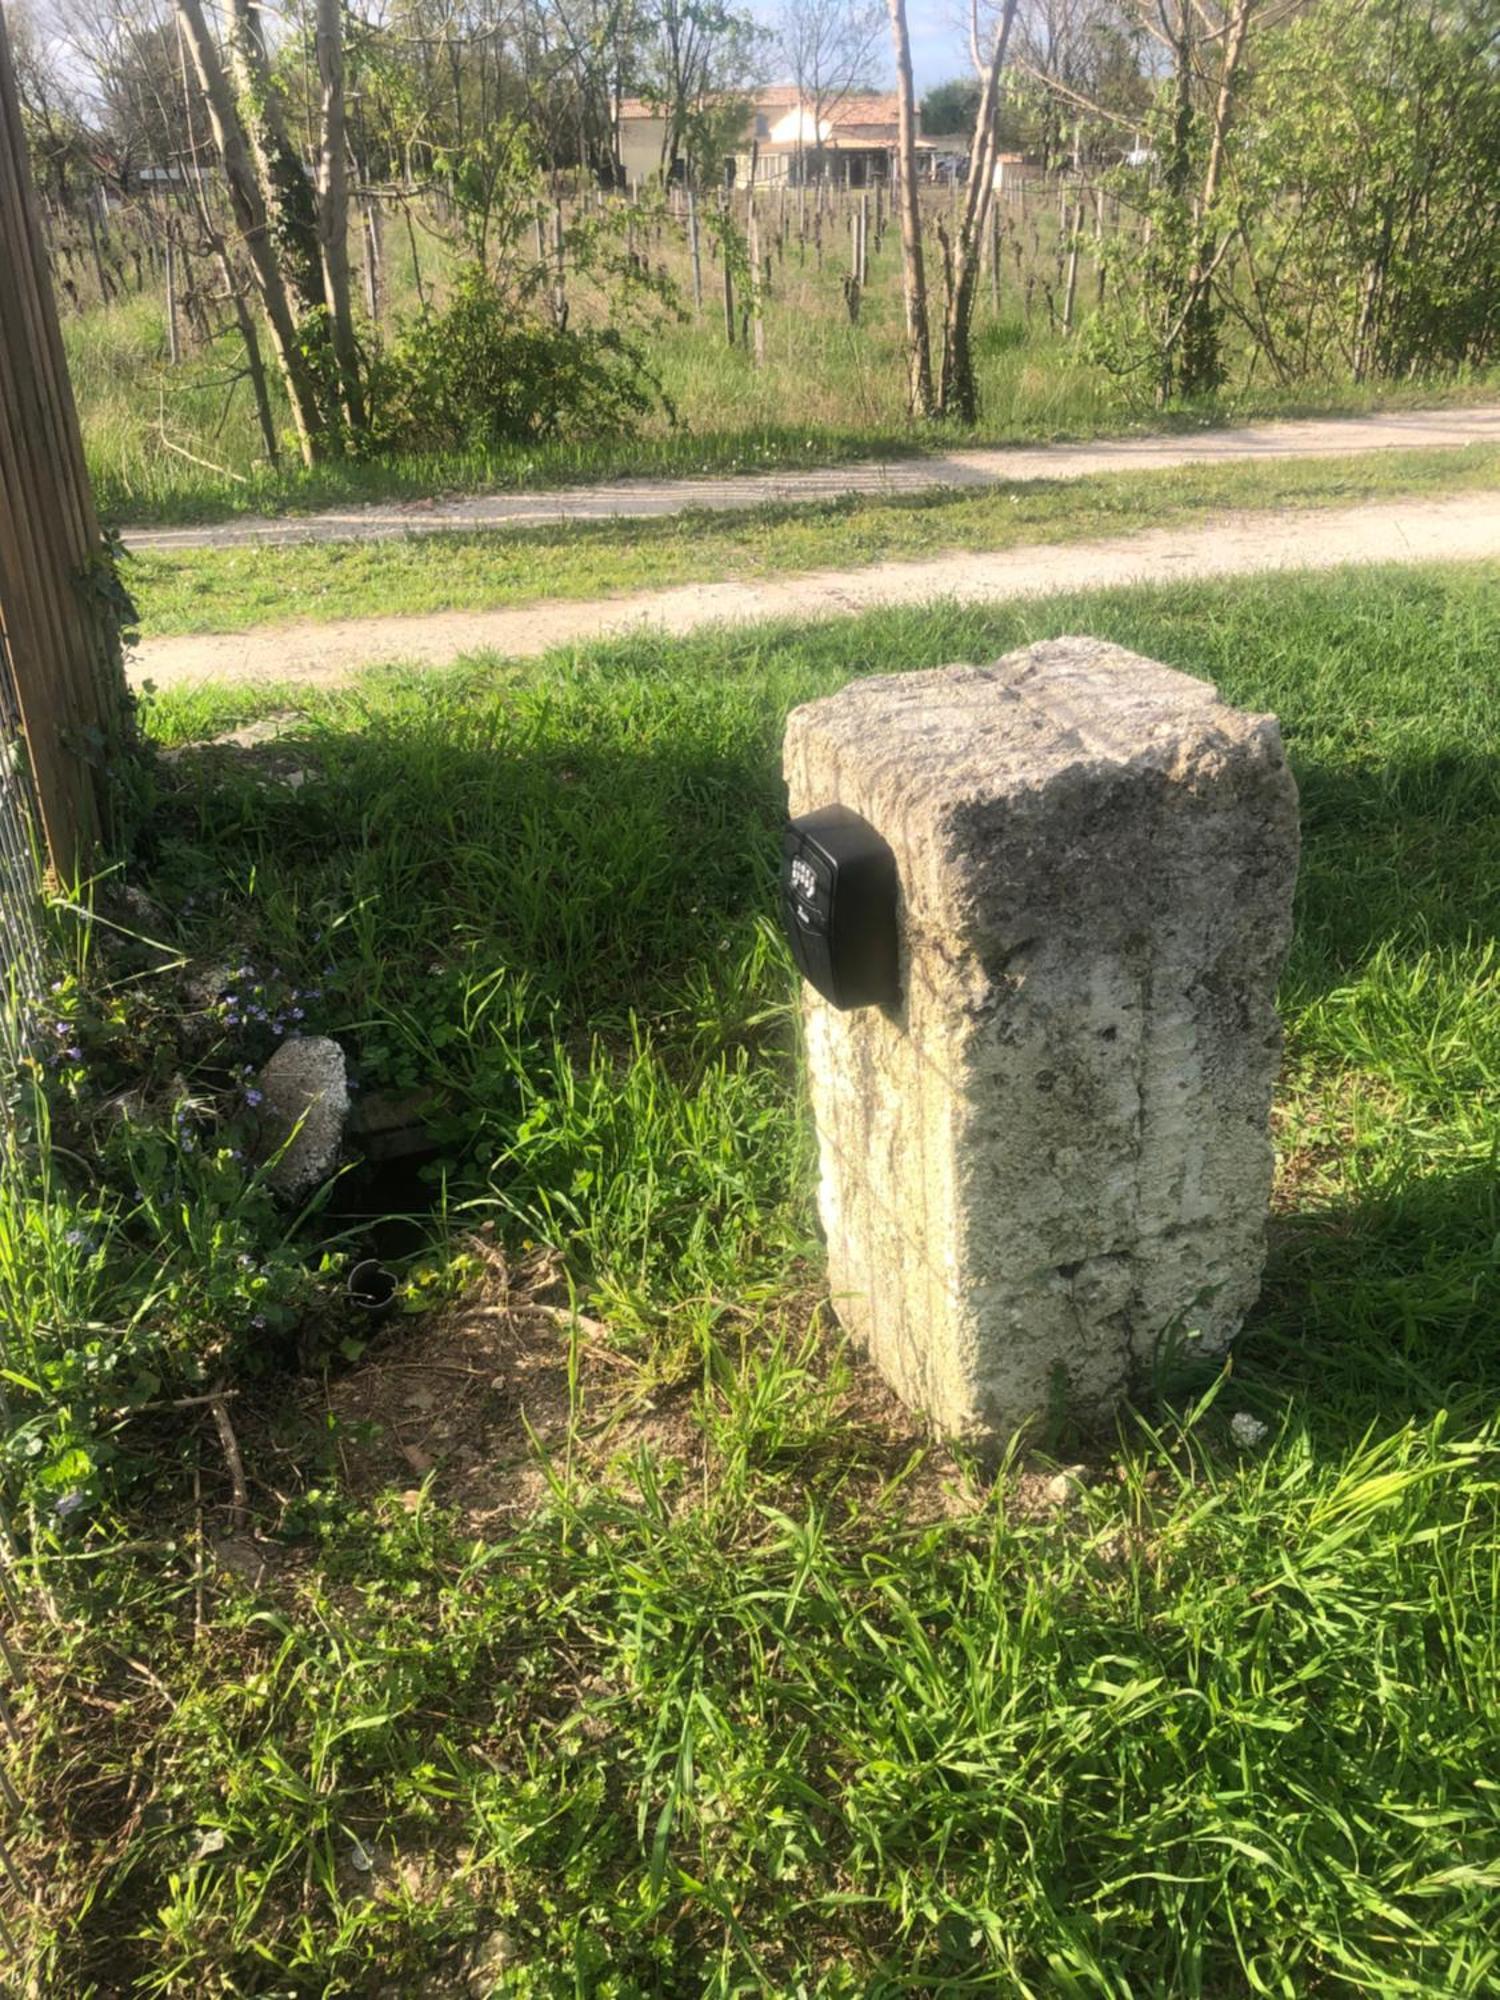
(60, 634)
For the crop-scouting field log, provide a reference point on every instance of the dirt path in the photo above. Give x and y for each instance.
(1402, 430)
(1462, 528)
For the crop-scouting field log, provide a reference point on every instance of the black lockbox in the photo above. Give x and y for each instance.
(838, 905)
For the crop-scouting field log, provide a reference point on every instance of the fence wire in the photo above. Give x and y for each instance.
(21, 989)
(21, 963)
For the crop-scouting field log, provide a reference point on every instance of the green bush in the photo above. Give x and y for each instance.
(487, 370)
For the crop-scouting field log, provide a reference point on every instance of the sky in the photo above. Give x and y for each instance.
(939, 47)
(939, 43)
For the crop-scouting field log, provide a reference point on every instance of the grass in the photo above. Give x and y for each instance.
(230, 589)
(726, 1683)
(830, 391)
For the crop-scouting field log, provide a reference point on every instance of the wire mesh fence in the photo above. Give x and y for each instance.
(21, 989)
(21, 982)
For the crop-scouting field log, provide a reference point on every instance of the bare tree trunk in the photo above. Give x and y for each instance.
(370, 216)
(234, 290)
(914, 277)
(333, 211)
(957, 395)
(1200, 370)
(286, 192)
(250, 219)
(254, 365)
(416, 260)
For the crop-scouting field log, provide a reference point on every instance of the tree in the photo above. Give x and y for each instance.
(57, 134)
(1205, 50)
(951, 108)
(957, 391)
(1365, 201)
(1085, 56)
(691, 52)
(914, 275)
(1170, 318)
(333, 209)
(249, 207)
(286, 191)
(826, 48)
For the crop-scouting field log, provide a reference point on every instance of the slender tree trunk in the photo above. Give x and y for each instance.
(914, 277)
(416, 260)
(250, 219)
(255, 366)
(1200, 370)
(1177, 167)
(957, 394)
(234, 289)
(286, 192)
(370, 215)
(333, 211)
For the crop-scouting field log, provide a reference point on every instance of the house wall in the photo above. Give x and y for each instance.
(640, 146)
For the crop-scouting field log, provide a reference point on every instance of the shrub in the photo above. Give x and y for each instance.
(486, 370)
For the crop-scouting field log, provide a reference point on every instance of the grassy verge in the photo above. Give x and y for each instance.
(228, 590)
(720, 1681)
(830, 392)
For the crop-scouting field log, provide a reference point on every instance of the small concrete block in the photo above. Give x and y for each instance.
(305, 1086)
(1048, 1165)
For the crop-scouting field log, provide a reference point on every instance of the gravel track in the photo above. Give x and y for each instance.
(1464, 527)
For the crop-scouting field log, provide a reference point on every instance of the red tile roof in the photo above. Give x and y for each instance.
(859, 110)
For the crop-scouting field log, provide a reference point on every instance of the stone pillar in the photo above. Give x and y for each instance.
(1047, 1166)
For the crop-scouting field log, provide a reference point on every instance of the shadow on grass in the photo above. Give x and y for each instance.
(1385, 1309)
(1395, 851)
(621, 883)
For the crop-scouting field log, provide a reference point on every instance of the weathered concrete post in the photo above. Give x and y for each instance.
(1046, 1165)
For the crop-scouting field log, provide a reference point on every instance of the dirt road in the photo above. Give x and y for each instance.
(1466, 527)
(1402, 430)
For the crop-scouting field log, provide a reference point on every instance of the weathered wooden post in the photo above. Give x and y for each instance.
(695, 250)
(55, 621)
(752, 250)
(727, 218)
(1070, 291)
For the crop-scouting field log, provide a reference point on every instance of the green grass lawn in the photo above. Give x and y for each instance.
(722, 1681)
(227, 590)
